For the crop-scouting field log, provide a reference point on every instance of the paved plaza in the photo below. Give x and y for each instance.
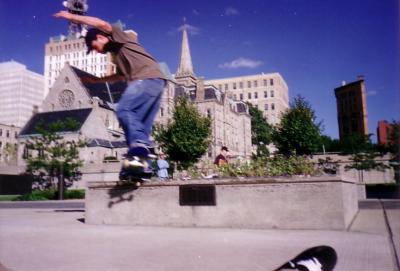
(56, 238)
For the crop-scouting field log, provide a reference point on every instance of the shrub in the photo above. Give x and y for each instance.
(74, 194)
(35, 195)
(276, 166)
(51, 194)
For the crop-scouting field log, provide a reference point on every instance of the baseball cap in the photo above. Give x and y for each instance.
(91, 35)
(224, 148)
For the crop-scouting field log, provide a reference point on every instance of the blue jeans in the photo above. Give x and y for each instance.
(137, 109)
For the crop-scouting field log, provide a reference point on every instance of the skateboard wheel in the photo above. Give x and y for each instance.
(138, 184)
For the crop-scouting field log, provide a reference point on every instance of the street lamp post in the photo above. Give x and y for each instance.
(61, 182)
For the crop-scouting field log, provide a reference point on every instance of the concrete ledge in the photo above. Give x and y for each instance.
(283, 203)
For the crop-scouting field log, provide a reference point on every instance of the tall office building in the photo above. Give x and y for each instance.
(72, 49)
(21, 90)
(351, 106)
(62, 49)
(268, 92)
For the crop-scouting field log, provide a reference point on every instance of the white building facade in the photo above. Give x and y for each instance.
(268, 92)
(21, 90)
(63, 49)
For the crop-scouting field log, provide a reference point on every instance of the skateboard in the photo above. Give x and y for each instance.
(78, 7)
(320, 258)
(136, 166)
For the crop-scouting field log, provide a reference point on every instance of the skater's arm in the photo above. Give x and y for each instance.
(109, 79)
(91, 21)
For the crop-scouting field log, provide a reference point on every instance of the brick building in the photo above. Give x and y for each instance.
(352, 108)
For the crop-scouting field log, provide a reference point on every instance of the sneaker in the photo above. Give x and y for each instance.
(321, 258)
(134, 163)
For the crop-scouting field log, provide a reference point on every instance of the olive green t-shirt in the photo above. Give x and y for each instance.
(132, 60)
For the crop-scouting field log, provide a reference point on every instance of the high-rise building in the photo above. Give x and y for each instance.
(21, 90)
(267, 92)
(72, 49)
(384, 133)
(62, 49)
(352, 108)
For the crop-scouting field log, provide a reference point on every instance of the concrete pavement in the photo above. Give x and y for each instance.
(57, 239)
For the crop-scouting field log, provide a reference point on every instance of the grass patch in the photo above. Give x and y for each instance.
(8, 197)
(51, 194)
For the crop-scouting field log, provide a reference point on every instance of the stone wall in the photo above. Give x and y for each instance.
(291, 203)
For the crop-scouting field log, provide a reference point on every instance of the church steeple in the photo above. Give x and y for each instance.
(185, 68)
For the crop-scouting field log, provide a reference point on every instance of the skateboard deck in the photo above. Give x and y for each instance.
(320, 258)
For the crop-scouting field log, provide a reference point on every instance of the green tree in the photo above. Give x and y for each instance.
(53, 156)
(261, 131)
(356, 143)
(298, 131)
(329, 144)
(186, 139)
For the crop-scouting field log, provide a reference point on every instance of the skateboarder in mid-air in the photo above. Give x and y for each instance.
(140, 100)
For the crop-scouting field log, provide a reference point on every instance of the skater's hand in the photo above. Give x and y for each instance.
(64, 14)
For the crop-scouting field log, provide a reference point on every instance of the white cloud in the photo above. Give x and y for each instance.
(372, 93)
(230, 11)
(241, 62)
(190, 29)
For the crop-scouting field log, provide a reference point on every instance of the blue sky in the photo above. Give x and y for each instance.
(313, 44)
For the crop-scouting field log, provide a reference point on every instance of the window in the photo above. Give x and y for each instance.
(265, 82)
(266, 107)
(255, 84)
(256, 106)
(265, 94)
(209, 113)
(249, 95)
(271, 82)
(1, 132)
(272, 106)
(249, 84)
(234, 97)
(8, 133)
(26, 153)
(234, 85)
(226, 86)
(161, 111)
(241, 85)
(255, 95)
(272, 93)
(241, 96)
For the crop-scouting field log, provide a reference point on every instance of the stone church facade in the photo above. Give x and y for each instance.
(231, 122)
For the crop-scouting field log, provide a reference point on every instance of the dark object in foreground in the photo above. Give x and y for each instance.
(320, 258)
